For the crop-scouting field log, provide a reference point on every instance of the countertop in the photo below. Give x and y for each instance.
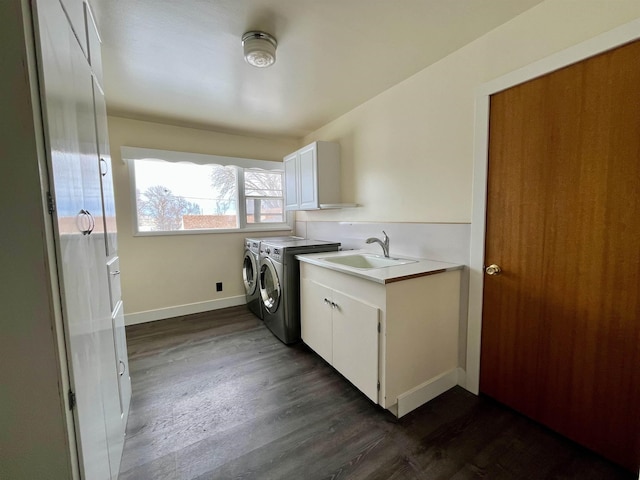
(419, 268)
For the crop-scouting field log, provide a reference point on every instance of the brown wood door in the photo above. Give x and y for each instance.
(561, 323)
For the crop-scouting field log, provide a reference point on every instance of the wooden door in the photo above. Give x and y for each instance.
(561, 323)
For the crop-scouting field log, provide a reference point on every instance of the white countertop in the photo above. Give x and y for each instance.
(419, 268)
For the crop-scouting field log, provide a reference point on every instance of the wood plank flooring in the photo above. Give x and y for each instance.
(217, 396)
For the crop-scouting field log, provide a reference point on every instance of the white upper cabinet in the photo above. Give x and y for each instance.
(75, 13)
(94, 44)
(312, 177)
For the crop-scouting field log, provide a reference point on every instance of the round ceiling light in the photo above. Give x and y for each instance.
(259, 49)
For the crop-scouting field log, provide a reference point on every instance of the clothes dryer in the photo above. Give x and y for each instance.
(279, 284)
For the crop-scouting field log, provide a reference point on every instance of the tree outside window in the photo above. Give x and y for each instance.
(162, 209)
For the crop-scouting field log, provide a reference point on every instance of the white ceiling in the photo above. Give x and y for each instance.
(181, 61)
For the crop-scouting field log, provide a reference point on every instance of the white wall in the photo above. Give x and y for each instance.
(407, 153)
(163, 276)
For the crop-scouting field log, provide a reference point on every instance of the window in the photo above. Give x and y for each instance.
(176, 192)
(264, 196)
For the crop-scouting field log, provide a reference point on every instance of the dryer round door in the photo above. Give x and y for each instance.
(250, 273)
(270, 290)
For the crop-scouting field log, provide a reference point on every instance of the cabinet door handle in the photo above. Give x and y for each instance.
(105, 170)
(93, 222)
(124, 368)
(327, 301)
(335, 305)
(81, 224)
(115, 272)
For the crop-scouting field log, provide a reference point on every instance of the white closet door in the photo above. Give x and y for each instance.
(106, 179)
(67, 103)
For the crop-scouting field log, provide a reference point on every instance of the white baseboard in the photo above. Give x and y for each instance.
(427, 391)
(462, 378)
(179, 310)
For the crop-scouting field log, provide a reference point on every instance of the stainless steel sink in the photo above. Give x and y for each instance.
(361, 260)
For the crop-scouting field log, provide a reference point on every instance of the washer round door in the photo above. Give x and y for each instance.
(250, 272)
(270, 290)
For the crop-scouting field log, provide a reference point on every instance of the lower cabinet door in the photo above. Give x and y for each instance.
(355, 342)
(315, 317)
(116, 390)
(122, 360)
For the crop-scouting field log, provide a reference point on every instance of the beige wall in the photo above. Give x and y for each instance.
(161, 272)
(407, 153)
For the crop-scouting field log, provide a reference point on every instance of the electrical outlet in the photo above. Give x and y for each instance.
(219, 287)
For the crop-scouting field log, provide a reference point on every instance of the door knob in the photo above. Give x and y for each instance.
(493, 269)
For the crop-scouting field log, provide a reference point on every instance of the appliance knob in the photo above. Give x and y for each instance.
(268, 250)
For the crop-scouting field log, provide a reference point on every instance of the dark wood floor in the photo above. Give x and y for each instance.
(217, 396)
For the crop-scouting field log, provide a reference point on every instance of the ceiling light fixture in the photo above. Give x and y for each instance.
(259, 49)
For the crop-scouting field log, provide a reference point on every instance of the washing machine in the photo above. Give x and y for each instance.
(250, 264)
(250, 275)
(279, 284)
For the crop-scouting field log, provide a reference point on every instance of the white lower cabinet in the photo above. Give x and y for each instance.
(396, 342)
(344, 331)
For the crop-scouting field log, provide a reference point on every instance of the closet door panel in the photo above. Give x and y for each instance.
(105, 174)
(67, 101)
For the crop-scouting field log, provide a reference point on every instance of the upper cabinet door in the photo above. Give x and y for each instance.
(93, 45)
(75, 13)
(291, 181)
(308, 176)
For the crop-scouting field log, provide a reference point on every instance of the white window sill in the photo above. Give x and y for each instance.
(248, 230)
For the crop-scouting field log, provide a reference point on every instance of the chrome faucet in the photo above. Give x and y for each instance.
(383, 243)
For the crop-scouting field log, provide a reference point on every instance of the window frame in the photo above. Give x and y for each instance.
(131, 154)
